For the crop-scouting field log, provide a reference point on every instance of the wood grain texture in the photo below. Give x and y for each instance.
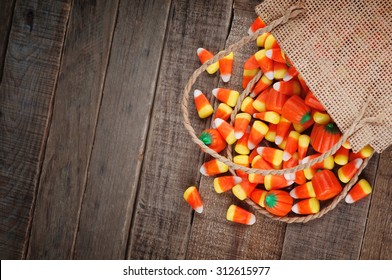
(377, 242)
(213, 237)
(162, 220)
(337, 235)
(30, 73)
(76, 106)
(121, 130)
(6, 13)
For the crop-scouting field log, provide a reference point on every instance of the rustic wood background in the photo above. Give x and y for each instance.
(94, 158)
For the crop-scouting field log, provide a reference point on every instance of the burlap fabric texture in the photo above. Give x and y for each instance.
(361, 119)
(343, 50)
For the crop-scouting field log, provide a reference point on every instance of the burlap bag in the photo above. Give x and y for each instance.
(342, 57)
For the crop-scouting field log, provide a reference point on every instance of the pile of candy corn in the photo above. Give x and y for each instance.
(281, 125)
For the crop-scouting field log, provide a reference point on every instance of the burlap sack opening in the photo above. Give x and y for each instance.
(360, 118)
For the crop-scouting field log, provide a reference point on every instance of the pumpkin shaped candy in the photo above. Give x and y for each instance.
(278, 202)
(296, 111)
(213, 139)
(323, 137)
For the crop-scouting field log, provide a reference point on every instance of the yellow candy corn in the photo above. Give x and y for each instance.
(203, 106)
(238, 215)
(359, 191)
(192, 196)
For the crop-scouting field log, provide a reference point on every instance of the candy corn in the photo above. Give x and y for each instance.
(327, 163)
(213, 139)
(266, 64)
(225, 183)
(321, 118)
(291, 73)
(326, 185)
(261, 85)
(282, 130)
(257, 24)
(243, 189)
(268, 116)
(260, 163)
(303, 83)
(241, 123)
(222, 112)
(280, 70)
(251, 63)
(273, 182)
(307, 206)
(192, 196)
(278, 202)
(227, 96)
(213, 167)
(291, 145)
(259, 103)
(205, 55)
(270, 42)
(303, 191)
(272, 155)
(359, 191)
(302, 127)
(291, 87)
(238, 215)
(248, 75)
(309, 173)
(203, 106)
(275, 101)
(348, 171)
(341, 156)
(261, 39)
(365, 152)
(242, 160)
(247, 106)
(276, 54)
(257, 133)
(303, 145)
(241, 147)
(226, 67)
(226, 130)
(313, 102)
(258, 197)
(271, 134)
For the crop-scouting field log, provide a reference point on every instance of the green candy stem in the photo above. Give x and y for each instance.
(271, 200)
(305, 118)
(206, 138)
(331, 128)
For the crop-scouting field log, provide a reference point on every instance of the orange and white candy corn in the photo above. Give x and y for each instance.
(253, 155)
(266, 64)
(241, 123)
(291, 145)
(271, 134)
(291, 87)
(227, 96)
(303, 83)
(241, 147)
(238, 215)
(348, 171)
(256, 24)
(309, 173)
(203, 106)
(347, 145)
(270, 42)
(365, 152)
(192, 196)
(226, 67)
(205, 55)
(303, 191)
(225, 183)
(359, 191)
(261, 39)
(251, 63)
(258, 197)
(307, 206)
(226, 130)
(260, 163)
(213, 167)
(327, 163)
(222, 112)
(303, 145)
(248, 75)
(257, 133)
(243, 189)
(291, 73)
(274, 182)
(280, 70)
(282, 130)
(272, 155)
(268, 116)
(242, 160)
(247, 106)
(260, 86)
(276, 54)
(341, 156)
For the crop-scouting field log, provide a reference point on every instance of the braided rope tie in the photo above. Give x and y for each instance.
(359, 122)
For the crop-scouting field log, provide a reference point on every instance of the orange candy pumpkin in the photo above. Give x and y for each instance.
(296, 111)
(278, 202)
(326, 185)
(323, 137)
(213, 139)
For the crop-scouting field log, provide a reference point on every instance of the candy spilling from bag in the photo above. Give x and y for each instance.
(281, 125)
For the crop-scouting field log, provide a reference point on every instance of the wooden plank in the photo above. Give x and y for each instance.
(121, 130)
(162, 220)
(337, 235)
(76, 106)
(213, 237)
(30, 74)
(377, 242)
(6, 13)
